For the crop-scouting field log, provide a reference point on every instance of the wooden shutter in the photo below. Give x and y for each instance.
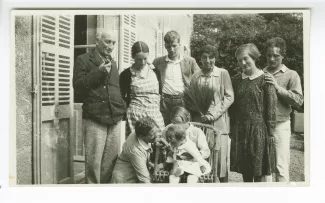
(128, 36)
(165, 30)
(56, 49)
(159, 43)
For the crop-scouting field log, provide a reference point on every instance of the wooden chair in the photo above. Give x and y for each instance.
(213, 139)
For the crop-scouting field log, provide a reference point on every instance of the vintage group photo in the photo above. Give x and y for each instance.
(159, 97)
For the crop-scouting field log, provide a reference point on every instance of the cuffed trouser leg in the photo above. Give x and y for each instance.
(282, 147)
(282, 136)
(101, 145)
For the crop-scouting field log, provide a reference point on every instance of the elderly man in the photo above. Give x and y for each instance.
(96, 76)
(176, 72)
(289, 93)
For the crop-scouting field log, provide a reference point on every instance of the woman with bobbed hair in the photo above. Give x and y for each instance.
(252, 118)
(219, 81)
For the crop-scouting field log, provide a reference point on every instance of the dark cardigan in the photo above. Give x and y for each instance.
(102, 100)
(125, 82)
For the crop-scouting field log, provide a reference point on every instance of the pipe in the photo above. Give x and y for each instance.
(36, 92)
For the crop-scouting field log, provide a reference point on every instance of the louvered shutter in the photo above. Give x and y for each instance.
(56, 51)
(165, 30)
(159, 43)
(128, 36)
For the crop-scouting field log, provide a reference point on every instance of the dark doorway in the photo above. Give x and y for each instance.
(80, 38)
(80, 33)
(85, 32)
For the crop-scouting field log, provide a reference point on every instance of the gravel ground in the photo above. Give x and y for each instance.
(296, 162)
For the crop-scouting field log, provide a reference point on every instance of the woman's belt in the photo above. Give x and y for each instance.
(178, 96)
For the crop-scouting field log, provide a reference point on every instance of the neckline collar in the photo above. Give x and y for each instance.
(144, 145)
(252, 77)
(215, 72)
(282, 69)
(102, 57)
(177, 61)
(143, 73)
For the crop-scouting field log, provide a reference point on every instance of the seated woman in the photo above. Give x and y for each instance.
(132, 164)
(185, 156)
(140, 88)
(180, 115)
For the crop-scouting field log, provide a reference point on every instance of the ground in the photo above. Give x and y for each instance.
(296, 168)
(296, 161)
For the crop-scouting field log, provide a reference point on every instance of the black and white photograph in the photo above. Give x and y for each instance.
(162, 97)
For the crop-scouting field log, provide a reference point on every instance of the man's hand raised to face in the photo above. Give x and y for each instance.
(105, 67)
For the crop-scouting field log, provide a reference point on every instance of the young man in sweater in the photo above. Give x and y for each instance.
(289, 93)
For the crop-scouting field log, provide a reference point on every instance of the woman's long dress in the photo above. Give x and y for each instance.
(252, 122)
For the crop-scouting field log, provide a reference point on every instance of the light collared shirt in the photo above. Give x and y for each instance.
(132, 163)
(290, 92)
(252, 77)
(173, 84)
(146, 146)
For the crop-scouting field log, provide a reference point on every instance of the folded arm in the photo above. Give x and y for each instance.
(203, 145)
(218, 109)
(293, 95)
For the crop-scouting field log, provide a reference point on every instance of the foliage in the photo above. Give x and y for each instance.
(198, 98)
(229, 31)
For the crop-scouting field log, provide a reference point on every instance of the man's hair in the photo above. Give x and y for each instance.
(100, 33)
(171, 36)
(144, 125)
(209, 49)
(277, 42)
(253, 51)
(176, 132)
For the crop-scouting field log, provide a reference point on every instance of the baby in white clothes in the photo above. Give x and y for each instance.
(185, 156)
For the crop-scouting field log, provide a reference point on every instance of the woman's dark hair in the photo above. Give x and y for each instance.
(144, 125)
(253, 51)
(138, 47)
(277, 42)
(181, 112)
(209, 49)
(171, 36)
(176, 132)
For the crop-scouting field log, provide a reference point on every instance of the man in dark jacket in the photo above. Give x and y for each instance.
(176, 72)
(96, 78)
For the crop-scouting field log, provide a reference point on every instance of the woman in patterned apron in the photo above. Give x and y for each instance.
(140, 88)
